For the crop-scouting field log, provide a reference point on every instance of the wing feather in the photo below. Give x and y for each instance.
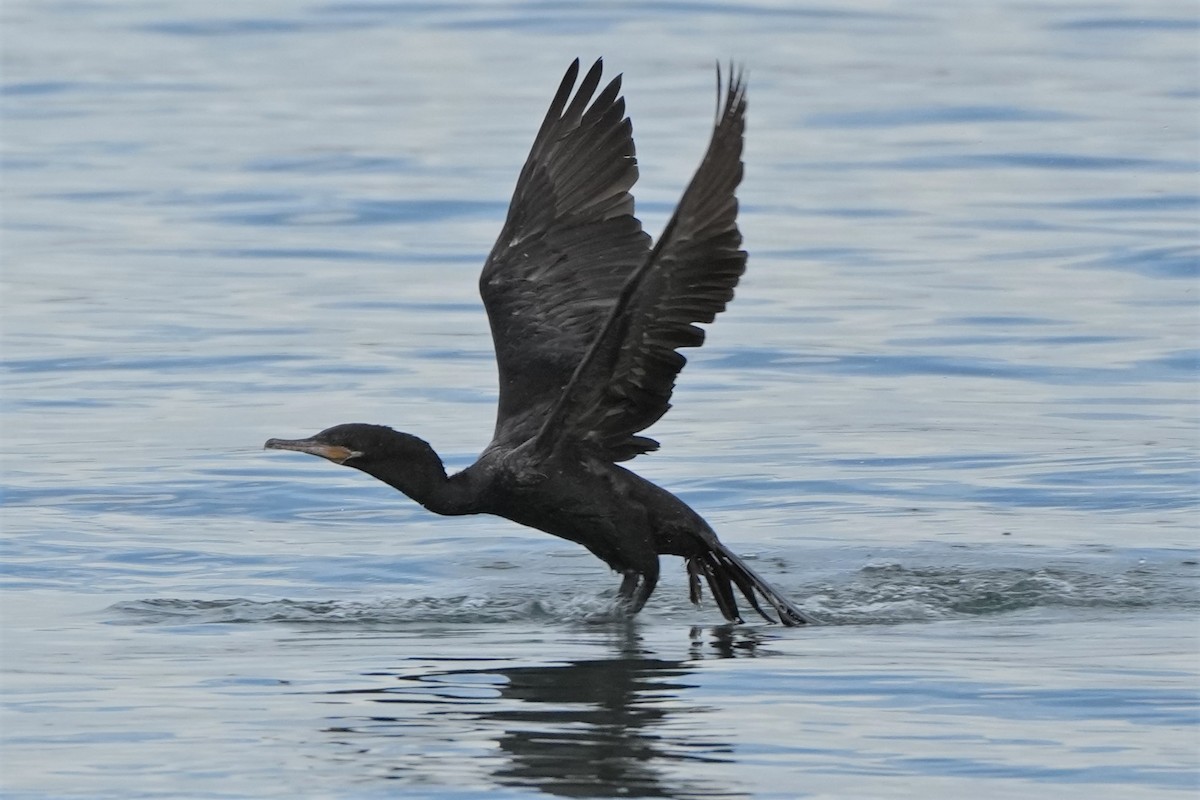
(624, 383)
(570, 241)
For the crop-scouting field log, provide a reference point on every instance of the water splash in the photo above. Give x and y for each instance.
(893, 593)
(461, 609)
(888, 593)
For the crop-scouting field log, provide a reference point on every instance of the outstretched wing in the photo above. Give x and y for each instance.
(568, 245)
(624, 383)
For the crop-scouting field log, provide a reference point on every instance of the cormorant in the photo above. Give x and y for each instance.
(586, 317)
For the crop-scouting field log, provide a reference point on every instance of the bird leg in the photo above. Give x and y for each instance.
(645, 589)
(636, 588)
(628, 585)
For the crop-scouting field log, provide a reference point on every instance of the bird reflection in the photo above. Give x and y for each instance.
(726, 641)
(624, 725)
(586, 728)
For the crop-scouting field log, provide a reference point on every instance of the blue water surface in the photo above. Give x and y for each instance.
(952, 411)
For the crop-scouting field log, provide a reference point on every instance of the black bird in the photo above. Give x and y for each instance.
(587, 319)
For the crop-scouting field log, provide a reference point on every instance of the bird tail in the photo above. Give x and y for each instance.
(723, 570)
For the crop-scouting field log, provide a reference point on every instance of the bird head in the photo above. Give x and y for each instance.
(355, 444)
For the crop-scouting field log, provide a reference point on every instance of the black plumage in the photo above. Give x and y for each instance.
(587, 319)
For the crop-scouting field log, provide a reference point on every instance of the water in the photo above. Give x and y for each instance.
(953, 411)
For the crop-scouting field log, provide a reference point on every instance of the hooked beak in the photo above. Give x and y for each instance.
(334, 452)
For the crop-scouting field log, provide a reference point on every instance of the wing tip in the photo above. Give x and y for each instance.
(731, 94)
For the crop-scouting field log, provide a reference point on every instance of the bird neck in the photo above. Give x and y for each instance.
(422, 476)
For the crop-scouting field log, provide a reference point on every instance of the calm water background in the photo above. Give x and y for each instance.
(952, 411)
